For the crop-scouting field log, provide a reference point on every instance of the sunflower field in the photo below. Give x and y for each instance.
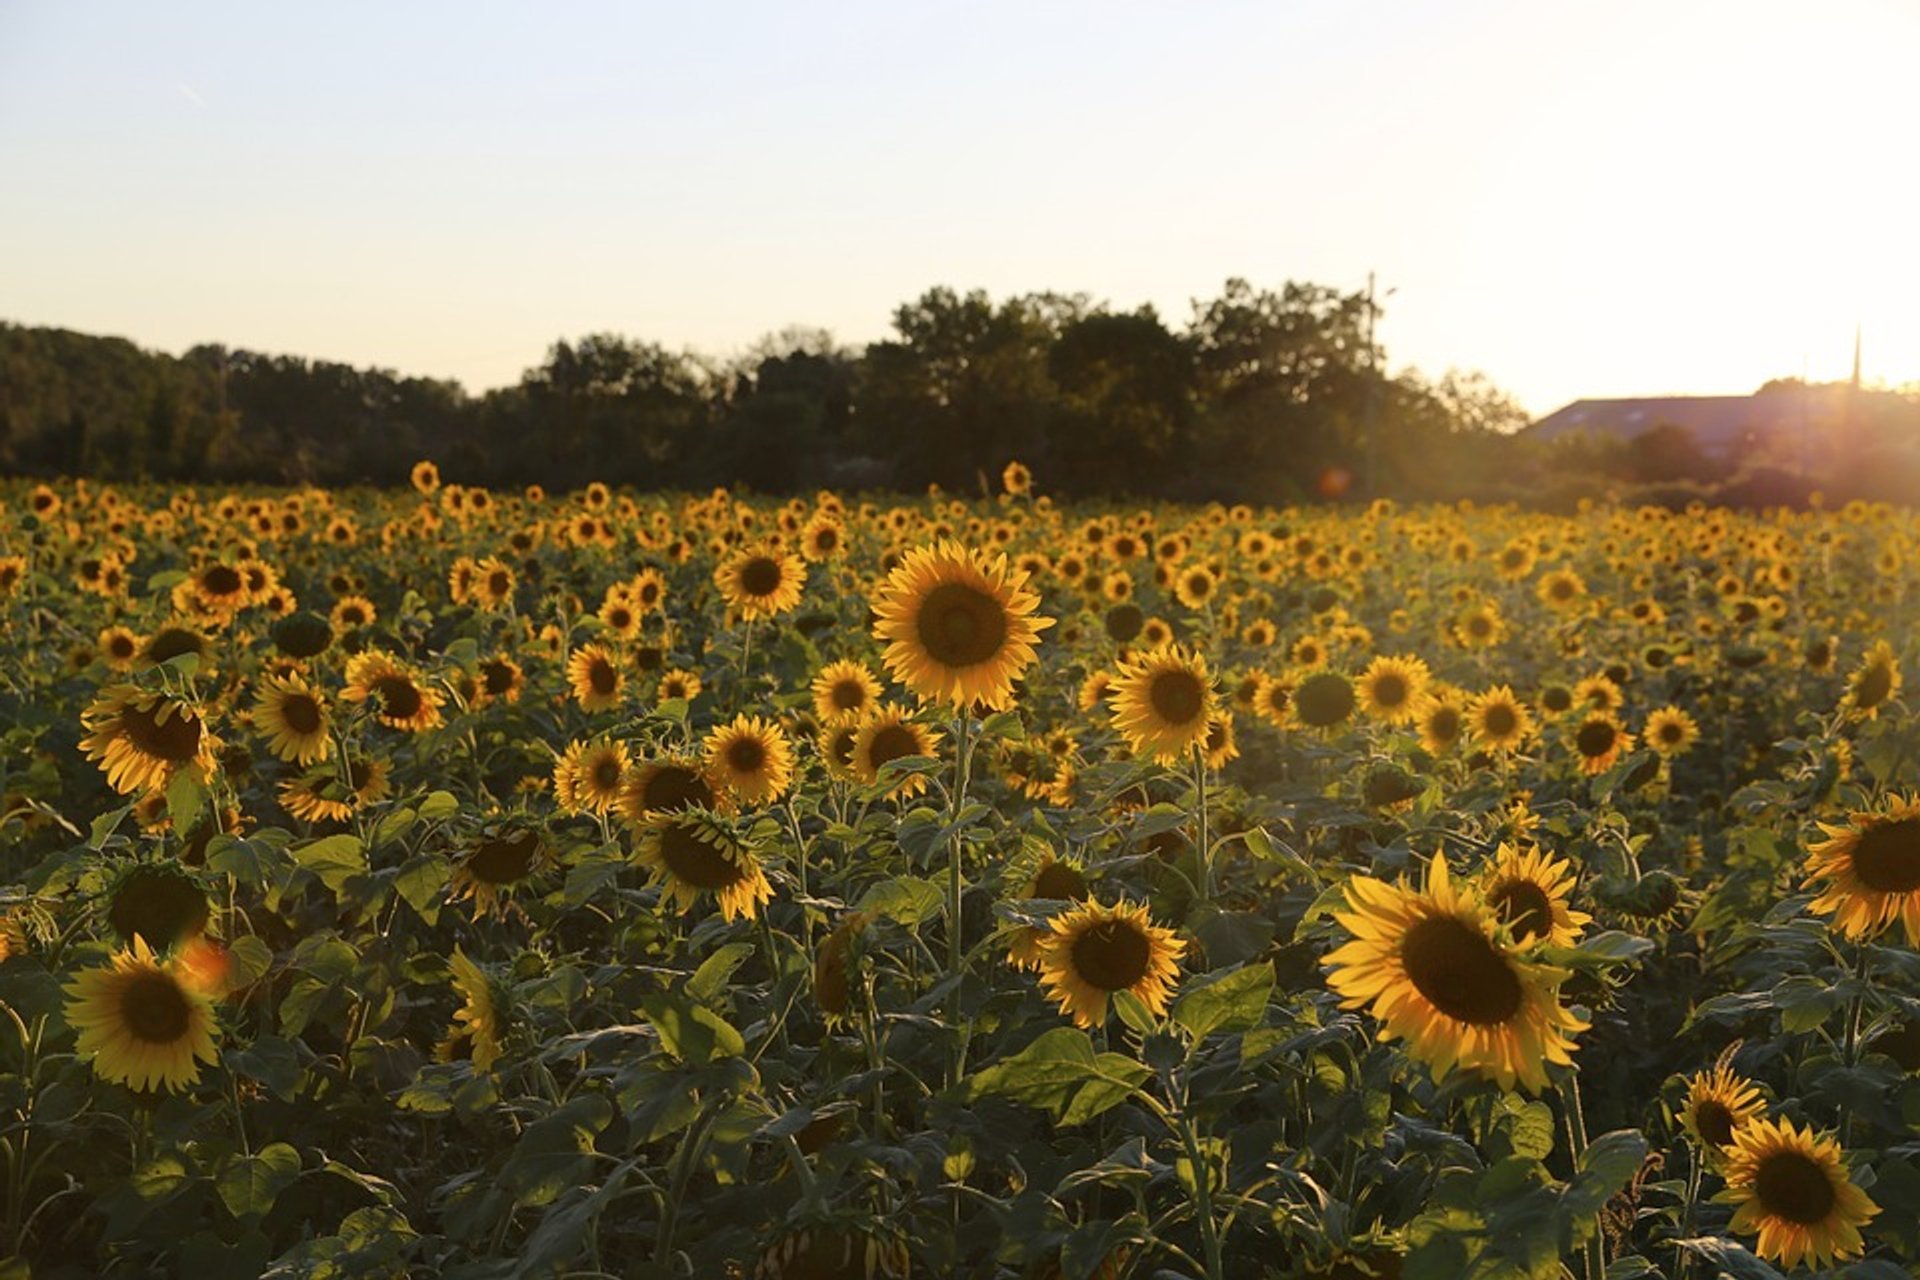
(460, 883)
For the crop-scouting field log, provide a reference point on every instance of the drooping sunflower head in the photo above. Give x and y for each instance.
(844, 692)
(1867, 872)
(1094, 951)
(1323, 700)
(481, 1021)
(761, 582)
(139, 1023)
(1528, 892)
(668, 785)
(752, 757)
(1874, 683)
(688, 855)
(1792, 1189)
(959, 626)
(1164, 702)
(890, 734)
(159, 903)
(1435, 972)
(141, 739)
(497, 864)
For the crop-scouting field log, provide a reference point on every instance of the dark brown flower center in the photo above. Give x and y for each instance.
(1794, 1187)
(1060, 880)
(1323, 700)
(1595, 739)
(694, 861)
(1177, 697)
(398, 697)
(760, 576)
(746, 755)
(605, 772)
(1444, 724)
(504, 859)
(176, 740)
(171, 642)
(154, 1008)
(841, 745)
(674, 786)
(895, 742)
(1460, 973)
(496, 677)
(1112, 955)
(960, 626)
(1887, 857)
(1525, 908)
(1390, 690)
(601, 677)
(301, 713)
(1714, 1120)
(848, 695)
(1876, 682)
(221, 580)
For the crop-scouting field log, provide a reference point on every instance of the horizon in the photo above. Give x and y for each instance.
(1581, 205)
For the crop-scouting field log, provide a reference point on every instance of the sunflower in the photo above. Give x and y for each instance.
(141, 739)
(425, 477)
(761, 582)
(1718, 1102)
(119, 648)
(647, 590)
(1499, 721)
(1093, 691)
(1390, 688)
(1194, 586)
(823, 537)
(1871, 869)
(159, 903)
(689, 856)
(959, 626)
(1435, 972)
(888, 735)
(400, 699)
(672, 784)
(1051, 879)
(1323, 700)
(1273, 699)
(480, 1022)
(139, 1023)
(1598, 740)
(1016, 479)
(293, 715)
(589, 776)
(856, 1253)
(321, 795)
(1218, 747)
(1442, 722)
(176, 640)
(752, 757)
(501, 679)
(1163, 703)
(1093, 951)
(835, 743)
(1670, 731)
(1528, 891)
(595, 679)
(678, 684)
(844, 692)
(498, 864)
(1874, 683)
(218, 588)
(1792, 1189)
(353, 613)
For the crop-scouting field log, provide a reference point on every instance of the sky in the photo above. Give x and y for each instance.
(1577, 198)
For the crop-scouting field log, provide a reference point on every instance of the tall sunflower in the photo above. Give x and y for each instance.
(594, 677)
(293, 715)
(1163, 704)
(1871, 870)
(752, 757)
(1874, 682)
(1390, 688)
(761, 582)
(1498, 720)
(1528, 892)
(1093, 951)
(960, 627)
(139, 1023)
(1431, 966)
(844, 692)
(688, 857)
(142, 739)
(1793, 1191)
(400, 699)
(889, 735)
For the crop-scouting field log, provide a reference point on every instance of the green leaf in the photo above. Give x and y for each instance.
(1804, 1003)
(1233, 1001)
(250, 1185)
(250, 957)
(1606, 1167)
(1729, 1259)
(556, 1151)
(906, 900)
(1134, 1012)
(439, 805)
(421, 881)
(393, 826)
(335, 859)
(271, 1061)
(186, 797)
(711, 978)
(692, 1033)
(1060, 1073)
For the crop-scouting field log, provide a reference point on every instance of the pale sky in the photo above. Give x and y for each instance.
(1581, 199)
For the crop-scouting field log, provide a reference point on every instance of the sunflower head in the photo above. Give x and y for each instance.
(1164, 703)
(159, 903)
(1093, 951)
(690, 855)
(752, 757)
(1867, 872)
(959, 626)
(1792, 1189)
(140, 1023)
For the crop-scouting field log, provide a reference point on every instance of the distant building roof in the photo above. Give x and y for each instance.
(1718, 424)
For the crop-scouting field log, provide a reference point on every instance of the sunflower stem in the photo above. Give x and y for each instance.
(1596, 1249)
(1200, 799)
(963, 767)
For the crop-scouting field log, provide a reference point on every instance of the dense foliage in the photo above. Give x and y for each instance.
(442, 881)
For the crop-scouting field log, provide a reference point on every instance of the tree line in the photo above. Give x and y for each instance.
(1267, 395)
